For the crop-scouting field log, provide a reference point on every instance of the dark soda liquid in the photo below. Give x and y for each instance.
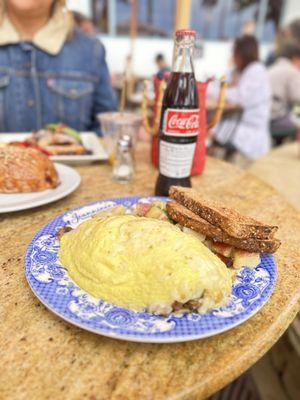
(181, 93)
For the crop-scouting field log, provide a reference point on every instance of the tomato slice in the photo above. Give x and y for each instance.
(33, 146)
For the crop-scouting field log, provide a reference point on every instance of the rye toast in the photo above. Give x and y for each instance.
(233, 223)
(189, 219)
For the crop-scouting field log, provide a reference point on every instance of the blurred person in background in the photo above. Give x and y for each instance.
(162, 66)
(49, 71)
(245, 137)
(294, 29)
(285, 84)
(83, 23)
(248, 28)
(286, 34)
(281, 37)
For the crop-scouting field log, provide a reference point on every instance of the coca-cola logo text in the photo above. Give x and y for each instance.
(191, 122)
(181, 122)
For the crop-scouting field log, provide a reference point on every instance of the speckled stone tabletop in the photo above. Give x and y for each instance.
(43, 357)
(281, 169)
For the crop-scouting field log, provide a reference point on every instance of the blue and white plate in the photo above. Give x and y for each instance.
(51, 283)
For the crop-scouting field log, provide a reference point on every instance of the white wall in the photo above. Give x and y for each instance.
(83, 6)
(215, 61)
(291, 11)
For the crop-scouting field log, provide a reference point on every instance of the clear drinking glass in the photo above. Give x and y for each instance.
(115, 125)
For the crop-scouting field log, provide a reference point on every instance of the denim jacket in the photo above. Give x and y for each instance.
(37, 88)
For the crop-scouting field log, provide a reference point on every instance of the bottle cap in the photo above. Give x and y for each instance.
(186, 32)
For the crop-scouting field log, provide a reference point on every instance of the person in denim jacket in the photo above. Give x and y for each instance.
(49, 71)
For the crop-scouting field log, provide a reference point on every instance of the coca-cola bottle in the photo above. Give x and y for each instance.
(179, 122)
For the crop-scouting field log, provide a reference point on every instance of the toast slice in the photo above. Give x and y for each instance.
(187, 218)
(233, 223)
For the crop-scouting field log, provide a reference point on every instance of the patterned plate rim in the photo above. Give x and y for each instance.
(142, 338)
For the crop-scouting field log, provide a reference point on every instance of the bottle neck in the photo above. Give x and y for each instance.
(183, 55)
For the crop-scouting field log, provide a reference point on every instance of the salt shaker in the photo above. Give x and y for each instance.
(123, 168)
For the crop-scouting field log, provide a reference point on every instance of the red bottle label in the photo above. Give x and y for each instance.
(181, 122)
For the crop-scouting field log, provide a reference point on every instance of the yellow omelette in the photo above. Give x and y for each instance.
(143, 263)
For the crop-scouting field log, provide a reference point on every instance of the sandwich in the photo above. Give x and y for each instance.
(237, 239)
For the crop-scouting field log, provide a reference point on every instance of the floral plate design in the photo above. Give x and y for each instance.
(50, 282)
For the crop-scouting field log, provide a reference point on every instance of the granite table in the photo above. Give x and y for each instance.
(280, 168)
(43, 357)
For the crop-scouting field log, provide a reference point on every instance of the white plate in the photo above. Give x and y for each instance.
(69, 181)
(89, 139)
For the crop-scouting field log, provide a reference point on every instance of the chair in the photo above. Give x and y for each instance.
(280, 134)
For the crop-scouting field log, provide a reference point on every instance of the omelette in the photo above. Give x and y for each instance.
(144, 264)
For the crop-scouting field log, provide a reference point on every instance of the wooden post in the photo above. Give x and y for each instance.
(133, 25)
(129, 76)
(183, 14)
